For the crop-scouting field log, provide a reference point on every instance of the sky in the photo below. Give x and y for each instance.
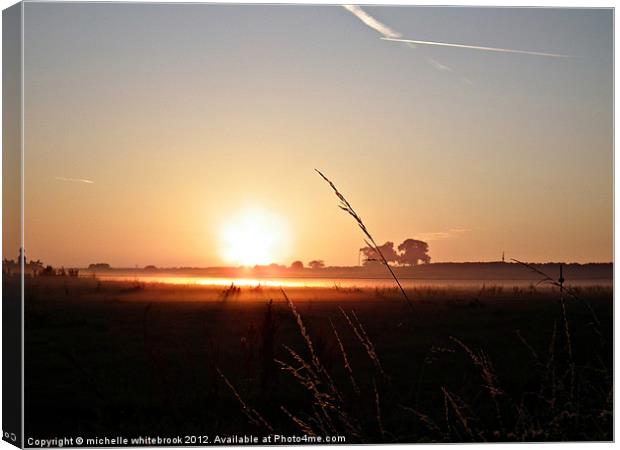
(153, 132)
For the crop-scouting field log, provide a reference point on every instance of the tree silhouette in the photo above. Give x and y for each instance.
(412, 251)
(297, 265)
(316, 264)
(371, 256)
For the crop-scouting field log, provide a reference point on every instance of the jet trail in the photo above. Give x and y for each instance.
(475, 47)
(371, 22)
(387, 34)
(75, 180)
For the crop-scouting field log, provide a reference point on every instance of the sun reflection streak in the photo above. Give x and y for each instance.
(208, 281)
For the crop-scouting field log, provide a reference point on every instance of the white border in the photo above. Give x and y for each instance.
(488, 3)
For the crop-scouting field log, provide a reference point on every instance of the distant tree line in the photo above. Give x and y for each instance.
(314, 264)
(411, 252)
(34, 268)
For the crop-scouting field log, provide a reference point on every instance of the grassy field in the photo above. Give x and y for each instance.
(492, 364)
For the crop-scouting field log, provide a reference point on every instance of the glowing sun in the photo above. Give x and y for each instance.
(253, 237)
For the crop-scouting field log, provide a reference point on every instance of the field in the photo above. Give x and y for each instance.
(484, 364)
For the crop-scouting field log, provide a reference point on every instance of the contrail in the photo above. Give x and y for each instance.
(75, 180)
(475, 47)
(370, 21)
(439, 66)
(390, 35)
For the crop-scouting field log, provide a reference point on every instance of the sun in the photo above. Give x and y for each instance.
(253, 237)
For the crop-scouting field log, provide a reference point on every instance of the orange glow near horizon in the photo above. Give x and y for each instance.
(220, 281)
(253, 237)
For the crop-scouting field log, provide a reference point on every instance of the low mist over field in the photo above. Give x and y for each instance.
(369, 224)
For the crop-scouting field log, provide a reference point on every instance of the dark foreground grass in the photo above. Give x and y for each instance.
(488, 364)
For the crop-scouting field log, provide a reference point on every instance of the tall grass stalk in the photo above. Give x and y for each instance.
(316, 362)
(482, 361)
(345, 359)
(346, 207)
(378, 408)
(303, 426)
(361, 335)
(253, 416)
(546, 279)
(459, 409)
(328, 403)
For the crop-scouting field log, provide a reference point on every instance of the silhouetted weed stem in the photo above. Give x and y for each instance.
(359, 331)
(346, 207)
(253, 416)
(546, 279)
(569, 347)
(316, 362)
(451, 399)
(378, 409)
(482, 361)
(303, 426)
(328, 401)
(345, 358)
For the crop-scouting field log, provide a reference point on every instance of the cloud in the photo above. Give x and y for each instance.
(445, 234)
(75, 180)
(475, 47)
(439, 66)
(373, 23)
